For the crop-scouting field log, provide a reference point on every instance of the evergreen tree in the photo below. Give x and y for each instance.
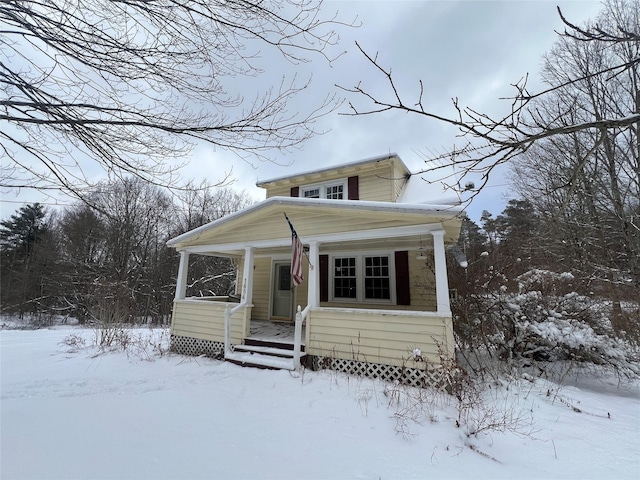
(518, 232)
(23, 229)
(28, 257)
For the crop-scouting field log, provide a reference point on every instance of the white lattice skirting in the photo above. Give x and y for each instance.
(196, 346)
(434, 377)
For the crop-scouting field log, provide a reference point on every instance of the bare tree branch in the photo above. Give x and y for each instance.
(132, 84)
(597, 33)
(490, 141)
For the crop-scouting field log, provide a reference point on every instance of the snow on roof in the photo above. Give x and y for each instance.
(420, 190)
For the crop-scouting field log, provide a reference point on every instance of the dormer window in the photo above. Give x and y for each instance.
(335, 190)
(311, 193)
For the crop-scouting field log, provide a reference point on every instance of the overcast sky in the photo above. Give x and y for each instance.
(472, 50)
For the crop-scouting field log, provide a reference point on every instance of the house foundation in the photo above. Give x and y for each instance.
(431, 376)
(196, 347)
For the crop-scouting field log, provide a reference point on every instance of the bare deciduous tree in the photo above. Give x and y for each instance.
(130, 84)
(199, 205)
(586, 184)
(489, 141)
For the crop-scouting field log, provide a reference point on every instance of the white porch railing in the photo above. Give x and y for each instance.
(301, 317)
(228, 312)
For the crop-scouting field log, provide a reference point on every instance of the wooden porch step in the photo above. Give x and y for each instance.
(258, 342)
(259, 360)
(271, 351)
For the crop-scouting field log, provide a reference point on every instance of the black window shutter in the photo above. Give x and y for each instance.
(295, 191)
(403, 296)
(324, 278)
(353, 185)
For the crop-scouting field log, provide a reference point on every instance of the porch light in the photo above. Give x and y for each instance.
(460, 257)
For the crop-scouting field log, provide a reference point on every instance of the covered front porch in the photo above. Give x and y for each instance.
(375, 287)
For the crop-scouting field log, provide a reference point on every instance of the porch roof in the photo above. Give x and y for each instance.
(327, 221)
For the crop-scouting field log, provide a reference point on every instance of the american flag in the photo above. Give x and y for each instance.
(296, 261)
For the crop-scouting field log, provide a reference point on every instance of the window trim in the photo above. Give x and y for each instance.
(360, 277)
(322, 187)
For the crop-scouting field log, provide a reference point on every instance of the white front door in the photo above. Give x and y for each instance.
(282, 295)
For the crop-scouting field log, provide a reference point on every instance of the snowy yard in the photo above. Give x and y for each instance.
(73, 414)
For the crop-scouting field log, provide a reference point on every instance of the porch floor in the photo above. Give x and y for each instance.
(282, 332)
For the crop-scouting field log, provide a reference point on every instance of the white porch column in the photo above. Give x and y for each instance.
(181, 284)
(440, 263)
(246, 293)
(313, 294)
(247, 276)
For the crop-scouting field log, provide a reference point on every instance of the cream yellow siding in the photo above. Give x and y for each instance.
(378, 180)
(377, 186)
(279, 191)
(371, 336)
(382, 306)
(422, 282)
(400, 178)
(261, 288)
(204, 319)
(302, 292)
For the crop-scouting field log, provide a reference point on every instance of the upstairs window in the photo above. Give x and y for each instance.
(311, 193)
(335, 190)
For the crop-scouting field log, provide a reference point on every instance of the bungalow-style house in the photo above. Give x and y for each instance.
(374, 298)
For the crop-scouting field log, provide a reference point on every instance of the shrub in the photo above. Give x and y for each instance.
(542, 322)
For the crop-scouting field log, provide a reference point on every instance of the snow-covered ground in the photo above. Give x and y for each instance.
(71, 414)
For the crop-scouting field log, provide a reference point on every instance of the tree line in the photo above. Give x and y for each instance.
(564, 256)
(543, 284)
(108, 259)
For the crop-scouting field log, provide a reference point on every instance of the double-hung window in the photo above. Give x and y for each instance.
(345, 278)
(362, 278)
(311, 193)
(335, 190)
(377, 283)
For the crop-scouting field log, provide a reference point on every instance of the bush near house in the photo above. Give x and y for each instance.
(545, 321)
